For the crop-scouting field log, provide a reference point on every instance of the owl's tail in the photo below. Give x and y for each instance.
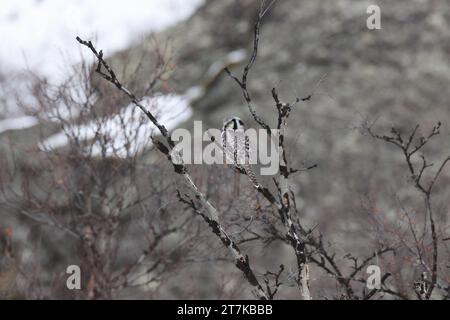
(251, 175)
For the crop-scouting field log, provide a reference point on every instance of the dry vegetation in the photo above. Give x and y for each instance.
(140, 226)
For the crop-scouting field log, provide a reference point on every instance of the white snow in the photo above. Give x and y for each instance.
(194, 93)
(40, 34)
(232, 57)
(236, 56)
(129, 126)
(17, 123)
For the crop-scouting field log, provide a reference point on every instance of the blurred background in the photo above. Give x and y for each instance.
(81, 183)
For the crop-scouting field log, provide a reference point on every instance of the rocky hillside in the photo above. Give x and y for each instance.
(397, 76)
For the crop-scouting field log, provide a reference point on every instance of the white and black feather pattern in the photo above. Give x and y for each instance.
(234, 141)
(236, 146)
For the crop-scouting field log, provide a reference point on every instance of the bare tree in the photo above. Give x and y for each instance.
(306, 245)
(89, 187)
(410, 146)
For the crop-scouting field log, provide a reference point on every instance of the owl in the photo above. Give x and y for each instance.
(236, 146)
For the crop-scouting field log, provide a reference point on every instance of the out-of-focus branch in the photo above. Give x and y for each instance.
(272, 290)
(405, 144)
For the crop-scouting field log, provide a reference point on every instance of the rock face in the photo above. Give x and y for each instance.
(391, 70)
(397, 75)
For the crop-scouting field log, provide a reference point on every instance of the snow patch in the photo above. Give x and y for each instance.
(232, 57)
(40, 34)
(194, 93)
(126, 133)
(17, 123)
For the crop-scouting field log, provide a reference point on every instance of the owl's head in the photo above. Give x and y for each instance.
(234, 123)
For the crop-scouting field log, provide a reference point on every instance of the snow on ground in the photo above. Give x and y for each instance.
(17, 123)
(41, 34)
(129, 127)
(232, 57)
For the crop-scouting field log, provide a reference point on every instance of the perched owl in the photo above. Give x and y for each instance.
(236, 146)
